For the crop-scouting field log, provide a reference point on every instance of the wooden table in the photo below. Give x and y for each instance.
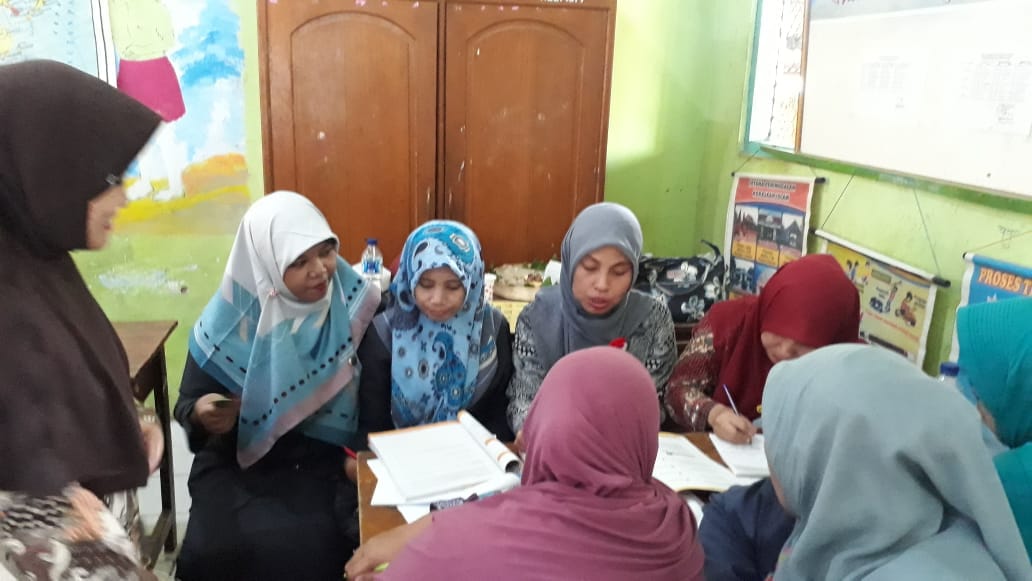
(373, 520)
(144, 344)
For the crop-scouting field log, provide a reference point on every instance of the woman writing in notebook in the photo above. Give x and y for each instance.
(438, 348)
(588, 507)
(268, 400)
(882, 492)
(995, 342)
(592, 305)
(718, 381)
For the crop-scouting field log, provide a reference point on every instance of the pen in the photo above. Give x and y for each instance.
(731, 400)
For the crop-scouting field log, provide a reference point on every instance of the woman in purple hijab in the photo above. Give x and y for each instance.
(588, 508)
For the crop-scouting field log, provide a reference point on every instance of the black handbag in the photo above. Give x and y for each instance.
(687, 285)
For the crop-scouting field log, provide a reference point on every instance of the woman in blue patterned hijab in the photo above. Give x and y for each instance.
(439, 346)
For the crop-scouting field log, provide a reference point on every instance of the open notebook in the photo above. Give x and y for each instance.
(425, 461)
(682, 466)
(745, 460)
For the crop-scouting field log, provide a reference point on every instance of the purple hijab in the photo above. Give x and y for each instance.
(588, 507)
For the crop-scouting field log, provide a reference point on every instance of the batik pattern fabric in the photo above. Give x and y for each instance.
(64, 537)
(434, 364)
(690, 391)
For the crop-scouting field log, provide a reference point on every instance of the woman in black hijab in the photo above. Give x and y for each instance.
(69, 431)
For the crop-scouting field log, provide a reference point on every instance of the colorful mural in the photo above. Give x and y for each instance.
(184, 60)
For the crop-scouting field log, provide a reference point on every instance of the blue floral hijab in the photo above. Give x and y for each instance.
(435, 366)
(292, 363)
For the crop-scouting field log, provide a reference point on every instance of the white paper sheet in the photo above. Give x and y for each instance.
(744, 460)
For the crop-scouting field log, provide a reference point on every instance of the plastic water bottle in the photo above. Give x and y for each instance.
(372, 261)
(948, 372)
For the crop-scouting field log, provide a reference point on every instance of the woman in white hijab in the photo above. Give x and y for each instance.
(269, 399)
(886, 472)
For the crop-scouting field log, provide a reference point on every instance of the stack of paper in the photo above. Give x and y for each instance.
(387, 494)
(745, 460)
(426, 461)
(442, 461)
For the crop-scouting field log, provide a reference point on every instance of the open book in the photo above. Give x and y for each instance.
(682, 466)
(425, 461)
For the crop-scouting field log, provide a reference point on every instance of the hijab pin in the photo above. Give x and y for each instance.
(273, 293)
(113, 180)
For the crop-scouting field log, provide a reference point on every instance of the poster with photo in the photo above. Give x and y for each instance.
(988, 280)
(896, 300)
(767, 222)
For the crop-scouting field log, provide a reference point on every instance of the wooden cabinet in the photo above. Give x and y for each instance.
(387, 113)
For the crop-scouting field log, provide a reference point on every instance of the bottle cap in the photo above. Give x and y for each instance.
(371, 241)
(949, 369)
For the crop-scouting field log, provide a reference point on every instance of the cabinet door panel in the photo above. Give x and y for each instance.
(526, 106)
(351, 98)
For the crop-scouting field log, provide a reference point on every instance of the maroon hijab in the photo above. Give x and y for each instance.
(588, 507)
(66, 410)
(809, 300)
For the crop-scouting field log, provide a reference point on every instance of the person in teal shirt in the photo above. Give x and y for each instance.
(995, 342)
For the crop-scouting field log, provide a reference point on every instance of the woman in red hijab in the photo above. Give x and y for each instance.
(588, 507)
(807, 304)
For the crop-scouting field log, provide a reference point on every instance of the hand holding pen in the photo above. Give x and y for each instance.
(730, 425)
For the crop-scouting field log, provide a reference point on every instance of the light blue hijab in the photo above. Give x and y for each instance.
(886, 472)
(292, 363)
(434, 366)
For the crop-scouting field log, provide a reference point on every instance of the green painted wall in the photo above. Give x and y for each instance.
(710, 68)
(657, 119)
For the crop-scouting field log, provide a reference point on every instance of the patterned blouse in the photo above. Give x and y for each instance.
(652, 342)
(689, 393)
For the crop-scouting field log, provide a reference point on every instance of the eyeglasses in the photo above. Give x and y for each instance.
(113, 180)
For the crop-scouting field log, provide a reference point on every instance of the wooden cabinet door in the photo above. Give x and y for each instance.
(350, 96)
(526, 110)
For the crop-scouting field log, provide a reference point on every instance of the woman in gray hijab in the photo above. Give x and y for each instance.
(592, 305)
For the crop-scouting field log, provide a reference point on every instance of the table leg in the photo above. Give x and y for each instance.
(166, 471)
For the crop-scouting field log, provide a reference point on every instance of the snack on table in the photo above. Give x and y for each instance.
(518, 282)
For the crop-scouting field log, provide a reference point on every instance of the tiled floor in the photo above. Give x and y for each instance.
(150, 499)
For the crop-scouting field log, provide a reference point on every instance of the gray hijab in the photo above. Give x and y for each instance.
(560, 326)
(886, 472)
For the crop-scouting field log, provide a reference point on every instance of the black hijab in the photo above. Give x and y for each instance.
(66, 409)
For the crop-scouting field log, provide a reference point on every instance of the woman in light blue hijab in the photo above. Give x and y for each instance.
(269, 399)
(886, 473)
(996, 372)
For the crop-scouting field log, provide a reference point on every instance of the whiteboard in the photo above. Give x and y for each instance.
(934, 88)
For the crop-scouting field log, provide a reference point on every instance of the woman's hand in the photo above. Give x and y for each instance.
(519, 443)
(153, 443)
(729, 426)
(383, 548)
(215, 413)
(351, 469)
